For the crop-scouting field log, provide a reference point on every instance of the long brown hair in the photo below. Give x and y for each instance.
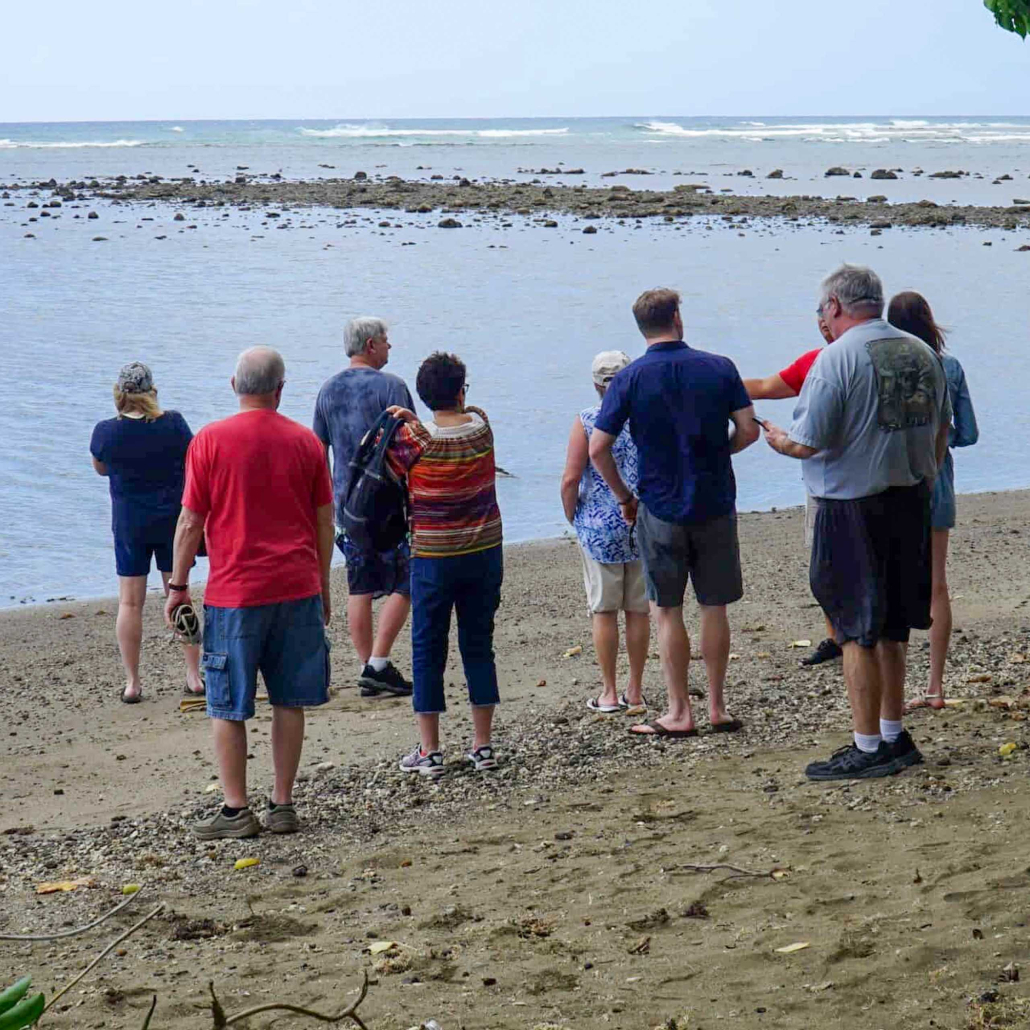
(910, 312)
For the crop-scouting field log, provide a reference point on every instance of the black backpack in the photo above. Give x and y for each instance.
(375, 503)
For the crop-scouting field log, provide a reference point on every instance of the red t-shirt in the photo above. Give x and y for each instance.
(794, 375)
(258, 478)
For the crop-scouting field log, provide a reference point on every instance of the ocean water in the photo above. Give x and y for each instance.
(525, 307)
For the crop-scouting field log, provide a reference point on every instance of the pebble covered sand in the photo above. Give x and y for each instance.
(560, 891)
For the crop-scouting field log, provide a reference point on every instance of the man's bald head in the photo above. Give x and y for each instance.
(260, 371)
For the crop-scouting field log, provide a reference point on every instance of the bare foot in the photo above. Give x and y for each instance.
(666, 724)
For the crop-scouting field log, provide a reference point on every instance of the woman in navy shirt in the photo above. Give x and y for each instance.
(142, 451)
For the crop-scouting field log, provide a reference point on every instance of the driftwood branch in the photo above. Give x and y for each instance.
(221, 1020)
(114, 944)
(71, 933)
(735, 871)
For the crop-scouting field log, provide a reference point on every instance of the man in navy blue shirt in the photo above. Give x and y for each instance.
(679, 403)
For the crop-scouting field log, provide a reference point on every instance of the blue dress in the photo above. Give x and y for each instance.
(963, 433)
(602, 531)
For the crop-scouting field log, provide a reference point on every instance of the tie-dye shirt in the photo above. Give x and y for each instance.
(450, 472)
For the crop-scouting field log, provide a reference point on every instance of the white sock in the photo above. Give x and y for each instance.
(378, 664)
(867, 742)
(890, 730)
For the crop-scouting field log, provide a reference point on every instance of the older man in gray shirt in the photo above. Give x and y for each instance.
(871, 426)
(347, 405)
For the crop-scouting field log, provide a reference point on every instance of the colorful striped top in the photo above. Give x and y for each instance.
(450, 473)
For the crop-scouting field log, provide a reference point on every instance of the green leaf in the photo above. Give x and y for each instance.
(25, 1014)
(15, 993)
(1011, 15)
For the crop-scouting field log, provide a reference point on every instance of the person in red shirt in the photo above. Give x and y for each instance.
(258, 487)
(779, 386)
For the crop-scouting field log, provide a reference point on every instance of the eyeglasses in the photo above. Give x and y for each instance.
(465, 388)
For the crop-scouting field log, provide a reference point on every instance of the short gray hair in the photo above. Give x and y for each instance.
(260, 370)
(858, 290)
(359, 331)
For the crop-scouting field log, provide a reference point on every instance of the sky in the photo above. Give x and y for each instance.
(330, 59)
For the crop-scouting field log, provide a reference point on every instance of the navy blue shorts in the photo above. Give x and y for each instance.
(378, 573)
(135, 546)
(285, 642)
(870, 568)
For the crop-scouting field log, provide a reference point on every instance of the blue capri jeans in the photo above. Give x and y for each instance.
(470, 585)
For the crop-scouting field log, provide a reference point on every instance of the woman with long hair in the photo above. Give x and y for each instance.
(142, 452)
(911, 312)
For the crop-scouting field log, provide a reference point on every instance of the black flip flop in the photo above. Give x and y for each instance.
(130, 700)
(195, 693)
(658, 730)
(732, 726)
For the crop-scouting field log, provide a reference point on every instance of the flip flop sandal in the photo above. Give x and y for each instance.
(595, 706)
(127, 700)
(195, 693)
(732, 726)
(658, 730)
(925, 702)
(632, 709)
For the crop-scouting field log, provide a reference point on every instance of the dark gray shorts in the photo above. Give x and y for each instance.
(707, 554)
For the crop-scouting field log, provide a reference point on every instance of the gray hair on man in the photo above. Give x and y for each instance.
(858, 290)
(259, 371)
(359, 331)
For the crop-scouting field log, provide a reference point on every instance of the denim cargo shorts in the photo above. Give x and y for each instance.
(285, 642)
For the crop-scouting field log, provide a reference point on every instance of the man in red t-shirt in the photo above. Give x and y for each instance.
(258, 489)
(780, 386)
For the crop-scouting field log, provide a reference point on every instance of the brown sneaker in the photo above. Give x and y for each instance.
(221, 826)
(282, 819)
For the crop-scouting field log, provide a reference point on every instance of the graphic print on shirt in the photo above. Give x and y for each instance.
(905, 383)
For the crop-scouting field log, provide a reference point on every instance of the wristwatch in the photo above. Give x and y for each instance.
(177, 589)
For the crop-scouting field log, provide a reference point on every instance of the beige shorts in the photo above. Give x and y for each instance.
(613, 588)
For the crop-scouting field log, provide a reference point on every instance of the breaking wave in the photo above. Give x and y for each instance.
(385, 132)
(898, 130)
(10, 144)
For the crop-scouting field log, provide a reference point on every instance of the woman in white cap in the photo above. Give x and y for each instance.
(612, 571)
(142, 451)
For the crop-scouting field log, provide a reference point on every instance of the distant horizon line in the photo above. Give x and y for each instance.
(355, 119)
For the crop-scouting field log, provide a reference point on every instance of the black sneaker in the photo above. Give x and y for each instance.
(905, 751)
(849, 763)
(386, 681)
(827, 651)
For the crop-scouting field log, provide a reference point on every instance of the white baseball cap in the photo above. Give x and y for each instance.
(607, 365)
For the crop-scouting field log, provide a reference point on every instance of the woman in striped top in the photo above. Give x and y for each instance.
(456, 555)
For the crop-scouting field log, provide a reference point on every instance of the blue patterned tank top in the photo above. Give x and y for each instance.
(599, 524)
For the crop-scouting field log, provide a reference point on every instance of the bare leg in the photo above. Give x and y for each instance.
(429, 731)
(674, 647)
(606, 646)
(715, 645)
(940, 612)
(392, 616)
(638, 639)
(359, 622)
(865, 687)
(191, 652)
(831, 633)
(891, 657)
(482, 724)
(287, 743)
(230, 739)
(132, 595)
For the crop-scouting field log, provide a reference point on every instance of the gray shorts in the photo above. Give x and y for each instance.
(707, 554)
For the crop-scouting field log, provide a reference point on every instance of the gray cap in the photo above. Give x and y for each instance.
(607, 365)
(135, 377)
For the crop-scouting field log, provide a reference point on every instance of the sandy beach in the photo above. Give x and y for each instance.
(562, 891)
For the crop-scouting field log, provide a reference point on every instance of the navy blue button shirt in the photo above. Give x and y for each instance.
(678, 401)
